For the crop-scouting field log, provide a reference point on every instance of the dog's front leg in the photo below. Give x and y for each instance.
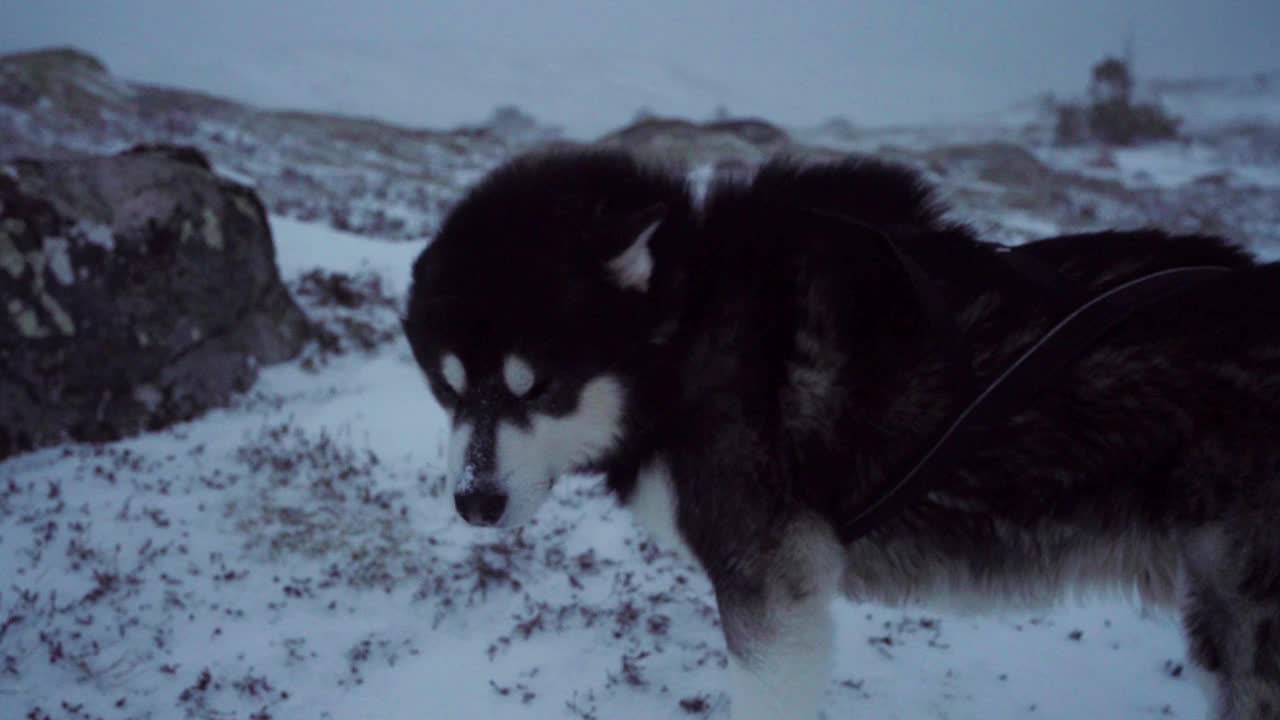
(778, 629)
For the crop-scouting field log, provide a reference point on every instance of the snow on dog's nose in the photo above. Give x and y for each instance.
(501, 471)
(481, 507)
(478, 494)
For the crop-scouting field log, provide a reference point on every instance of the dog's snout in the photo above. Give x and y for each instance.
(481, 507)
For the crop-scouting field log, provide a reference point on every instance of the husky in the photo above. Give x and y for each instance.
(748, 374)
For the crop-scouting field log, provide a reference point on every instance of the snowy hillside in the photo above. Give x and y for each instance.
(353, 173)
(383, 180)
(294, 556)
(1238, 102)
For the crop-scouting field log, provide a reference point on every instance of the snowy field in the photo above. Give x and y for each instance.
(295, 556)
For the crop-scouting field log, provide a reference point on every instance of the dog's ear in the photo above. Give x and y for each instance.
(630, 262)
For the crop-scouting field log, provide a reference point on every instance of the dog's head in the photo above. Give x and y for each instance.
(525, 315)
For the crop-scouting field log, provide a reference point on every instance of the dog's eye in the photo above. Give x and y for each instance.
(445, 395)
(539, 388)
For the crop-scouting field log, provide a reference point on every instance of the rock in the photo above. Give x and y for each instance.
(518, 128)
(742, 142)
(998, 162)
(136, 290)
(1025, 182)
(1112, 117)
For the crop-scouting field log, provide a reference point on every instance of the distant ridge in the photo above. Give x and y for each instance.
(357, 174)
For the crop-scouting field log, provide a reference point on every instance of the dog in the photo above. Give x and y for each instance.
(749, 367)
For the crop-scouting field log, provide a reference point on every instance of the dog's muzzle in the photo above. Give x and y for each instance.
(481, 507)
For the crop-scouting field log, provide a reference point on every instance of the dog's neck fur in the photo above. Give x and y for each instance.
(698, 251)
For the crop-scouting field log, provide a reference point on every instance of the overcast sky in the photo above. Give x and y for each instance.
(590, 65)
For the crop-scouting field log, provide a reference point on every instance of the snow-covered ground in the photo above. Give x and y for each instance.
(294, 556)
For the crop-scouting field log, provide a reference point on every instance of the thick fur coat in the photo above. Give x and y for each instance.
(748, 374)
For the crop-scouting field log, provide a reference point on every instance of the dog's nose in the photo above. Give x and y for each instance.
(481, 508)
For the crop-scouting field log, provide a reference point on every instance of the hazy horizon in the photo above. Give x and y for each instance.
(591, 66)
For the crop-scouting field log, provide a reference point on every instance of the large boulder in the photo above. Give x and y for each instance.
(729, 143)
(136, 290)
(1024, 182)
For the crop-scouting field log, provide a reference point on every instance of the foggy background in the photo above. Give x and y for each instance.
(590, 66)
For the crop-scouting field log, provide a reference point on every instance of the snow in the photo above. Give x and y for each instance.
(235, 176)
(97, 234)
(1164, 165)
(294, 556)
(55, 254)
(1218, 102)
(296, 252)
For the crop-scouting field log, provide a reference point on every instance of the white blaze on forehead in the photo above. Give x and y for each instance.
(518, 375)
(530, 456)
(454, 373)
(461, 475)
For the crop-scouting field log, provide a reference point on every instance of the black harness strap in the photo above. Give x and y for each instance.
(1014, 389)
(959, 356)
(1061, 291)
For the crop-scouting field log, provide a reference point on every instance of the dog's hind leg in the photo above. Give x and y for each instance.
(1240, 649)
(1233, 626)
(778, 628)
(779, 657)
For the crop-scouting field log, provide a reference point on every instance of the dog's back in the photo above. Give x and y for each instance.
(1154, 461)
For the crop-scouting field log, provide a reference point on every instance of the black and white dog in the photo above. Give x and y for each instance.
(749, 373)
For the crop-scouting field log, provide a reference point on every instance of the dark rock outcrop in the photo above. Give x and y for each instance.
(1112, 117)
(730, 144)
(1022, 180)
(136, 290)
